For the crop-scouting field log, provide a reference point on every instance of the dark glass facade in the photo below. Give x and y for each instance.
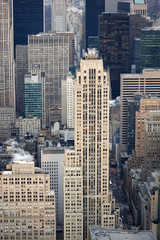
(94, 8)
(133, 106)
(124, 7)
(21, 70)
(114, 46)
(137, 22)
(28, 19)
(150, 48)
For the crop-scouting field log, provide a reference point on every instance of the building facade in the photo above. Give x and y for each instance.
(68, 101)
(133, 106)
(52, 160)
(27, 206)
(30, 125)
(7, 119)
(21, 70)
(93, 9)
(146, 105)
(7, 73)
(92, 144)
(51, 51)
(148, 204)
(152, 143)
(73, 197)
(59, 10)
(139, 7)
(150, 48)
(137, 23)
(114, 46)
(27, 19)
(33, 95)
(146, 83)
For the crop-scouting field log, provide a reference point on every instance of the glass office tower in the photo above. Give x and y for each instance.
(28, 19)
(33, 96)
(150, 48)
(93, 9)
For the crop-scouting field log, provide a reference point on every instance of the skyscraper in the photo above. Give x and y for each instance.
(146, 83)
(150, 48)
(93, 9)
(68, 101)
(33, 95)
(58, 19)
(7, 75)
(27, 18)
(137, 23)
(21, 70)
(51, 51)
(92, 145)
(7, 70)
(114, 46)
(73, 197)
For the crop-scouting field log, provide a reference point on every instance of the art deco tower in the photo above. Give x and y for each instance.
(7, 79)
(92, 143)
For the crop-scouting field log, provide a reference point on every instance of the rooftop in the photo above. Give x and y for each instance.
(139, 2)
(98, 233)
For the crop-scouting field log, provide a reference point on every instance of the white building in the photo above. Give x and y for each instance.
(52, 160)
(68, 101)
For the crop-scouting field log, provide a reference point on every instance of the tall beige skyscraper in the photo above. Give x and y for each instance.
(92, 143)
(7, 76)
(73, 197)
(7, 73)
(27, 206)
(59, 10)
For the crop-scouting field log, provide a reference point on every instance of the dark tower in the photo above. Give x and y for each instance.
(93, 9)
(114, 46)
(28, 19)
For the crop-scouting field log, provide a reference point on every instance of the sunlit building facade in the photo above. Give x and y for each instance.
(27, 206)
(92, 143)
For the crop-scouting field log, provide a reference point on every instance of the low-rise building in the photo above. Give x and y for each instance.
(30, 125)
(98, 233)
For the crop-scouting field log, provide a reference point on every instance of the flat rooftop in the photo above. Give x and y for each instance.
(139, 2)
(98, 233)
